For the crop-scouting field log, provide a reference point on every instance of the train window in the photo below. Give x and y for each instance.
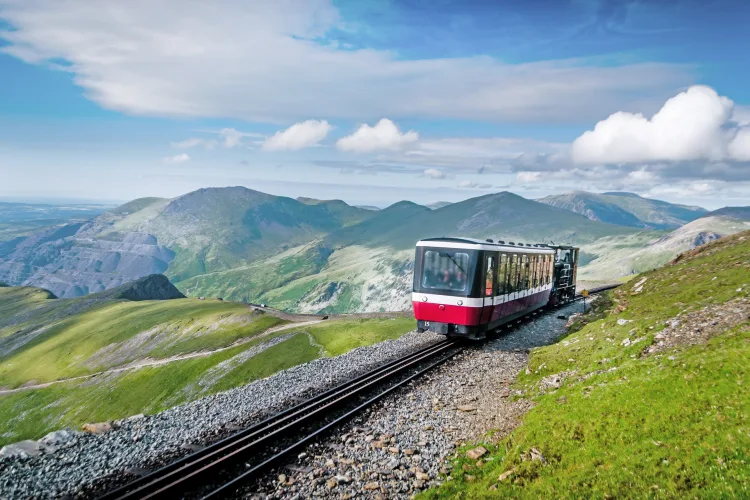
(536, 271)
(540, 270)
(550, 268)
(510, 285)
(529, 271)
(523, 272)
(445, 270)
(502, 262)
(489, 279)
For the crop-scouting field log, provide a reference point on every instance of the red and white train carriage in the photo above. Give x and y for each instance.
(467, 287)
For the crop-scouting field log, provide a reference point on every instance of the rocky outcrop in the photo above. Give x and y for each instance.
(152, 287)
(71, 262)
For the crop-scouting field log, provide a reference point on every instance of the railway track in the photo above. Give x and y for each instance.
(206, 466)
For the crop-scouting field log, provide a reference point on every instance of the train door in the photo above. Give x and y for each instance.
(488, 290)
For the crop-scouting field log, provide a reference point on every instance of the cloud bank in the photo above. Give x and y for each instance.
(693, 125)
(272, 61)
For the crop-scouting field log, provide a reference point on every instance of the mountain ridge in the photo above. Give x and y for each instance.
(628, 209)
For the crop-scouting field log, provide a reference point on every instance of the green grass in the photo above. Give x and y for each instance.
(338, 337)
(175, 326)
(251, 283)
(653, 427)
(291, 352)
(29, 414)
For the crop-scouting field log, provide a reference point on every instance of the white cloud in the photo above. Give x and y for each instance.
(434, 173)
(640, 176)
(384, 136)
(298, 136)
(739, 147)
(528, 176)
(694, 125)
(232, 137)
(741, 115)
(193, 142)
(472, 185)
(264, 61)
(180, 158)
(228, 137)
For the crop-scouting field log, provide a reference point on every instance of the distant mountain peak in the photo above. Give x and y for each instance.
(625, 209)
(623, 193)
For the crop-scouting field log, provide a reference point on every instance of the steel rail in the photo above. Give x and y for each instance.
(244, 477)
(186, 467)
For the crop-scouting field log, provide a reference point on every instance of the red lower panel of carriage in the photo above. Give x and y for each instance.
(474, 316)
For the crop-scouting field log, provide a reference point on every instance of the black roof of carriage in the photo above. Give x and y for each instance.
(500, 243)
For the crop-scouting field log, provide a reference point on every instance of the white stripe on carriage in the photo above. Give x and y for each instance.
(450, 300)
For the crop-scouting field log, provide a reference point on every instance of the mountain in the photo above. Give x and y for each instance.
(305, 255)
(381, 222)
(204, 231)
(498, 216)
(438, 204)
(626, 209)
(739, 213)
(346, 214)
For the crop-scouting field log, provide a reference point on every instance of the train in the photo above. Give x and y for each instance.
(466, 287)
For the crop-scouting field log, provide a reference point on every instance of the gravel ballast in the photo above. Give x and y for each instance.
(418, 426)
(398, 447)
(96, 460)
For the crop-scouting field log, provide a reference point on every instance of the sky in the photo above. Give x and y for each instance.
(375, 101)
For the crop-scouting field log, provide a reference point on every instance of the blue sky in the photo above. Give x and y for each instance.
(428, 101)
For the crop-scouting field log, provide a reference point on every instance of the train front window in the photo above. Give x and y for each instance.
(445, 270)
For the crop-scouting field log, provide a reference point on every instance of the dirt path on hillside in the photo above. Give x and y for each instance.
(297, 321)
(149, 362)
(320, 317)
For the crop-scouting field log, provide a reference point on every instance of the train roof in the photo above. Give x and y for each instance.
(509, 246)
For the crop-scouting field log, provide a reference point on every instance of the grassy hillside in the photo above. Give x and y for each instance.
(651, 399)
(134, 357)
(346, 214)
(251, 283)
(110, 333)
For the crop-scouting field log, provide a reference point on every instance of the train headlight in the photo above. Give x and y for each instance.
(424, 299)
(460, 302)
